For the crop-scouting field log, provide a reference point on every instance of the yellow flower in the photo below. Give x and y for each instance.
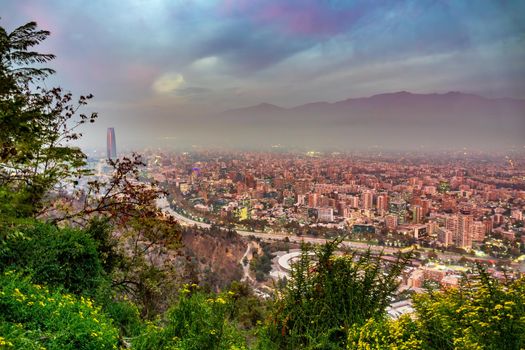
(4, 342)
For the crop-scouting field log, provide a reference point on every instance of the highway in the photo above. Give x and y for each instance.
(265, 236)
(164, 205)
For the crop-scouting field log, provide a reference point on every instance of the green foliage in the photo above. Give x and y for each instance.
(248, 311)
(100, 230)
(262, 264)
(197, 321)
(55, 256)
(382, 334)
(125, 316)
(34, 317)
(37, 126)
(482, 314)
(327, 295)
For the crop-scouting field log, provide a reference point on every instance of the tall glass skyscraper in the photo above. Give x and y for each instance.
(112, 144)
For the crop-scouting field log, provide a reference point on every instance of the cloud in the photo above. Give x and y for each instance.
(166, 57)
(247, 48)
(310, 18)
(192, 90)
(205, 63)
(168, 83)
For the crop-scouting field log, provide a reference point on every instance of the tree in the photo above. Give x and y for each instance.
(145, 235)
(37, 126)
(37, 158)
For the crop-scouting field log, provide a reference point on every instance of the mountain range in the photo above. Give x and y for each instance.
(399, 120)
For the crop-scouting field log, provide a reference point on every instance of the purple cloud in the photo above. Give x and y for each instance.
(298, 18)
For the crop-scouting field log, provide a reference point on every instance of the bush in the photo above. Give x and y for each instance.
(481, 314)
(384, 334)
(34, 317)
(248, 310)
(125, 316)
(326, 296)
(197, 321)
(58, 257)
(262, 264)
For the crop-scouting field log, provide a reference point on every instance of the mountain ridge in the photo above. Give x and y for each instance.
(265, 107)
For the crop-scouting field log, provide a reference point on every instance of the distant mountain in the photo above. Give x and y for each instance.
(388, 103)
(400, 120)
(261, 108)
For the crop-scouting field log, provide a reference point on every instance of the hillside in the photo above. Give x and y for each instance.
(214, 256)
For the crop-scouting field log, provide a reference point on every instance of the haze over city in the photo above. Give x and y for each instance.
(177, 73)
(262, 174)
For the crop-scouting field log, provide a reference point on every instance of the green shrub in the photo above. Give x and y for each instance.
(54, 256)
(197, 321)
(125, 316)
(326, 296)
(384, 334)
(262, 264)
(483, 313)
(248, 310)
(34, 317)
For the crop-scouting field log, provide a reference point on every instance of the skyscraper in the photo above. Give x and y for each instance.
(111, 144)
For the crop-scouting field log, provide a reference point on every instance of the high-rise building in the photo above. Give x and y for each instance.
(445, 236)
(391, 222)
(382, 203)
(465, 231)
(478, 231)
(366, 200)
(417, 214)
(462, 229)
(399, 208)
(312, 200)
(111, 144)
(353, 201)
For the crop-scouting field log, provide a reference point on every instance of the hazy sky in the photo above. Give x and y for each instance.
(148, 59)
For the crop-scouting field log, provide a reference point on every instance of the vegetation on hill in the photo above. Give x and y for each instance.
(261, 264)
(98, 269)
(327, 295)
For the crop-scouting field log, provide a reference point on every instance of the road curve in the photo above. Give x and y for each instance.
(164, 205)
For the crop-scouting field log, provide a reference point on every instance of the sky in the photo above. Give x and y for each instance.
(152, 62)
